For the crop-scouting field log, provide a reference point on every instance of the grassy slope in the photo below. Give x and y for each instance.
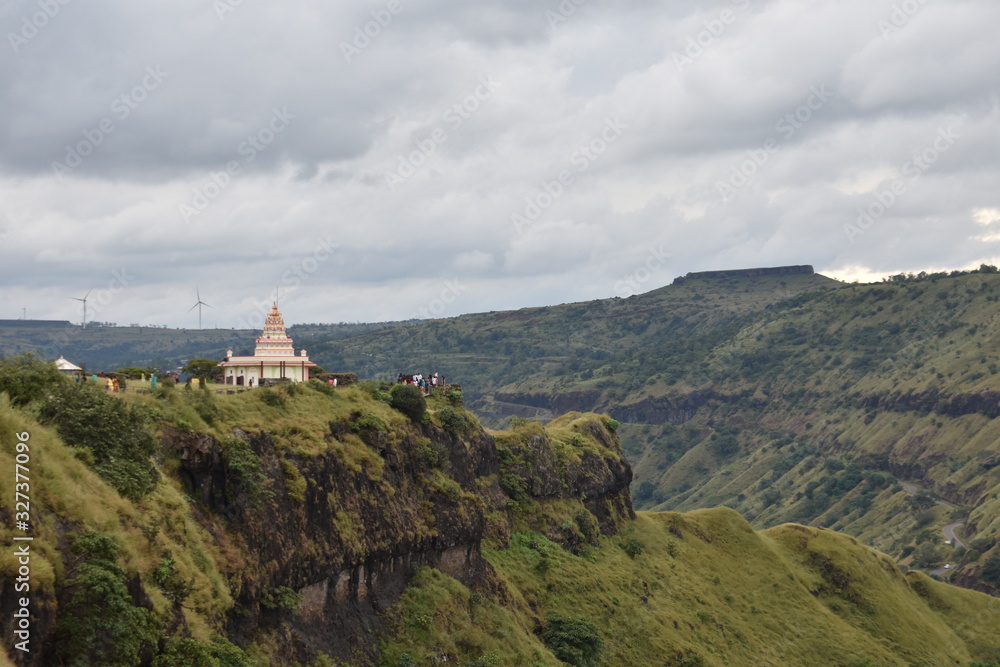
(719, 591)
(734, 594)
(935, 338)
(489, 350)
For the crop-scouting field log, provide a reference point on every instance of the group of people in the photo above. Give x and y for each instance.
(113, 385)
(426, 384)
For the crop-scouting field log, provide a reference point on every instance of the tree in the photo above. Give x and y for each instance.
(99, 624)
(203, 369)
(409, 400)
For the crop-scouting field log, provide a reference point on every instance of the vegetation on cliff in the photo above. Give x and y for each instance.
(312, 525)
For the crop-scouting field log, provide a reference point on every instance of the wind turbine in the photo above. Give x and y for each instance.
(198, 306)
(84, 300)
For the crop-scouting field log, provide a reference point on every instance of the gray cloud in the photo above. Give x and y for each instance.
(362, 173)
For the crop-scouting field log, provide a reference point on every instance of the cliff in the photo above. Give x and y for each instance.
(322, 505)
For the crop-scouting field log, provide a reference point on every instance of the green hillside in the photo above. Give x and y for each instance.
(788, 397)
(704, 589)
(317, 526)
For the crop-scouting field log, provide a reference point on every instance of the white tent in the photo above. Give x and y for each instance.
(67, 366)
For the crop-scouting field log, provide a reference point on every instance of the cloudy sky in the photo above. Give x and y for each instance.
(397, 158)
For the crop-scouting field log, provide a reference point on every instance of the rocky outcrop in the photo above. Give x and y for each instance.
(801, 269)
(597, 476)
(349, 535)
(672, 409)
(952, 405)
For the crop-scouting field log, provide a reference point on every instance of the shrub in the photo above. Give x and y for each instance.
(409, 400)
(514, 485)
(246, 470)
(434, 453)
(26, 378)
(633, 547)
(220, 652)
(612, 424)
(587, 524)
(454, 397)
(99, 624)
(112, 432)
(366, 424)
(573, 640)
(272, 398)
(452, 419)
(169, 580)
(281, 597)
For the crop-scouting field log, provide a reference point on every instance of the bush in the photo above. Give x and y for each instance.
(169, 580)
(587, 524)
(281, 597)
(452, 419)
(434, 453)
(633, 547)
(612, 424)
(112, 432)
(409, 400)
(573, 640)
(246, 470)
(272, 398)
(27, 379)
(220, 652)
(99, 624)
(454, 397)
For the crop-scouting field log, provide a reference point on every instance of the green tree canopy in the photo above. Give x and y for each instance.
(203, 369)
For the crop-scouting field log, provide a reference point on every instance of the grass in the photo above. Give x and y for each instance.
(706, 586)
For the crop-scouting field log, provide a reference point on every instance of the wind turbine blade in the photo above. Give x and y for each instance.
(192, 307)
(86, 295)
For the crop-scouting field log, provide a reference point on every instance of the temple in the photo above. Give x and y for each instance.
(274, 358)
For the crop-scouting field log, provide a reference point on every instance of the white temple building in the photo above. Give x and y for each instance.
(273, 359)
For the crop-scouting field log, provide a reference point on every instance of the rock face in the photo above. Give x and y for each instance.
(349, 536)
(801, 269)
(597, 477)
